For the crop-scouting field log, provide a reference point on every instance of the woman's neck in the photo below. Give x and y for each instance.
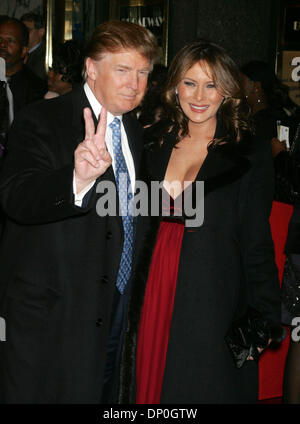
(204, 131)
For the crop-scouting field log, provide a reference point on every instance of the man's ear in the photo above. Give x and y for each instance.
(90, 68)
(25, 51)
(42, 32)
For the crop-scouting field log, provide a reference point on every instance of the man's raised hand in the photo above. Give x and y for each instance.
(91, 157)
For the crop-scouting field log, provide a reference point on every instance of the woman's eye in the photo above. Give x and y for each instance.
(189, 83)
(211, 85)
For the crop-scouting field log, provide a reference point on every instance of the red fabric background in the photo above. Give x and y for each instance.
(271, 365)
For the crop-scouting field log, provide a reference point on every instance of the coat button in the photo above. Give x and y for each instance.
(59, 201)
(99, 322)
(104, 279)
(108, 235)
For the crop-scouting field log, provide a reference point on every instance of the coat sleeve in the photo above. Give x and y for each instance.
(261, 274)
(36, 179)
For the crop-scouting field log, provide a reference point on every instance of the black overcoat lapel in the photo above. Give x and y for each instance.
(134, 141)
(223, 164)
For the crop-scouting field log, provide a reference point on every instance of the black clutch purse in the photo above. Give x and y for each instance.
(249, 333)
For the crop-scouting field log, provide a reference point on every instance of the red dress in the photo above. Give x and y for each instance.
(156, 317)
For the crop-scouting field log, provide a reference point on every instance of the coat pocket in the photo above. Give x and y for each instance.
(28, 307)
(40, 296)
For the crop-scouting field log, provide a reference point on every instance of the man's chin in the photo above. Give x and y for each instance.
(129, 105)
(122, 110)
(5, 57)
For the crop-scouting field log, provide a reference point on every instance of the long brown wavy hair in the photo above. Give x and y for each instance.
(233, 111)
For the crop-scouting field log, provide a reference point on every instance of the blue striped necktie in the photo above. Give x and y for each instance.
(125, 196)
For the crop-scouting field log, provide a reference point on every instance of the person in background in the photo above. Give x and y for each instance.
(270, 103)
(196, 280)
(67, 68)
(6, 111)
(152, 108)
(268, 100)
(4, 105)
(36, 59)
(25, 86)
(67, 263)
(287, 167)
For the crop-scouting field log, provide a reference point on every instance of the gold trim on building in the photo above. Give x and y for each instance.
(50, 8)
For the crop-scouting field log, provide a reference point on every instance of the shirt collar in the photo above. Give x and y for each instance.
(96, 106)
(34, 47)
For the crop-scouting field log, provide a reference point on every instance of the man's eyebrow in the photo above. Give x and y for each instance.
(120, 65)
(8, 36)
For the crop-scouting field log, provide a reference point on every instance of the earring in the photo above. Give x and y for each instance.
(176, 91)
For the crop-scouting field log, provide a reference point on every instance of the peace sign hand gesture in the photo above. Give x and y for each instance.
(91, 157)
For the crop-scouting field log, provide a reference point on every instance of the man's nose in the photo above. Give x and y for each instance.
(134, 81)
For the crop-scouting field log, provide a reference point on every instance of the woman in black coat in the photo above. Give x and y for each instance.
(207, 266)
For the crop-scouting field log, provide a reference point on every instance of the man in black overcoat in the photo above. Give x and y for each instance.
(37, 45)
(25, 86)
(60, 259)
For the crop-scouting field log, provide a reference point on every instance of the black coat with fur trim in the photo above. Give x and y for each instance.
(225, 264)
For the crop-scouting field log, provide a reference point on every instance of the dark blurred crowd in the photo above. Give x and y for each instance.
(23, 69)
